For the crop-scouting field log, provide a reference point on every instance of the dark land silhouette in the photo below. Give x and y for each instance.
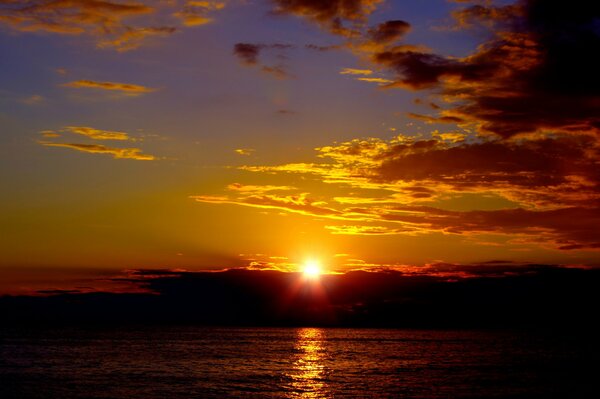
(495, 296)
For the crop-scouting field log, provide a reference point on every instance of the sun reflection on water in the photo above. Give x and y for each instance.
(308, 373)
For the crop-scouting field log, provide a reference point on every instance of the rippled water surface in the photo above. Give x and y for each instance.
(171, 362)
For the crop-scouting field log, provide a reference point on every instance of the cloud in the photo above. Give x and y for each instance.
(196, 12)
(535, 74)
(388, 32)
(438, 119)
(352, 71)
(532, 75)
(301, 203)
(34, 99)
(50, 134)
(117, 153)
(131, 37)
(366, 230)
(121, 25)
(545, 166)
(430, 104)
(249, 188)
(97, 134)
(566, 228)
(417, 70)
(364, 75)
(453, 137)
(244, 151)
(550, 185)
(249, 55)
(334, 15)
(487, 15)
(265, 262)
(127, 88)
(316, 47)
(247, 52)
(381, 81)
(277, 71)
(94, 17)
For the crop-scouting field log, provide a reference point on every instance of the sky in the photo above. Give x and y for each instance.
(261, 134)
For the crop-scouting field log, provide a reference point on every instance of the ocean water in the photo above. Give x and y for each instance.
(194, 362)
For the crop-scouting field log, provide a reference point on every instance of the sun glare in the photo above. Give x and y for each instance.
(312, 269)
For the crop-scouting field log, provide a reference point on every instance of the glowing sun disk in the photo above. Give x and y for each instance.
(312, 269)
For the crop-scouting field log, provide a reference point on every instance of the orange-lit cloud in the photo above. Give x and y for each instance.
(266, 262)
(453, 137)
(364, 75)
(127, 88)
(197, 12)
(352, 71)
(381, 81)
(97, 134)
(301, 203)
(249, 188)
(488, 15)
(132, 37)
(244, 151)
(50, 134)
(551, 185)
(121, 25)
(96, 17)
(367, 230)
(338, 16)
(117, 153)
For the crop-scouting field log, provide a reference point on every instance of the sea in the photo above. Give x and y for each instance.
(199, 362)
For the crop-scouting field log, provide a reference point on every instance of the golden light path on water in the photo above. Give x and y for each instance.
(308, 373)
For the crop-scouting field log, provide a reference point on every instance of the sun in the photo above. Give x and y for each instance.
(312, 269)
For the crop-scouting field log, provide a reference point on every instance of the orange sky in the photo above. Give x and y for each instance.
(360, 133)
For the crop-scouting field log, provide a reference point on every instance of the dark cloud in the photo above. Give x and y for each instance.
(537, 73)
(540, 163)
(389, 31)
(437, 119)
(249, 54)
(566, 228)
(418, 70)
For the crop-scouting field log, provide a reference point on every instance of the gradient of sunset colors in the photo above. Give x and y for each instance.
(265, 134)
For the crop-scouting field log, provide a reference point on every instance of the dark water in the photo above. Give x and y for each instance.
(293, 363)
